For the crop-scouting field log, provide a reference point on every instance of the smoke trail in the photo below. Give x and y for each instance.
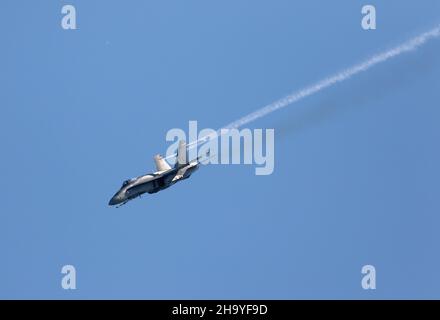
(346, 74)
(409, 45)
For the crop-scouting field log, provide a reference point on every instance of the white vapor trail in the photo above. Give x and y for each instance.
(346, 74)
(409, 45)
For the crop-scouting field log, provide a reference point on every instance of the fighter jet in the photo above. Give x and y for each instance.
(163, 178)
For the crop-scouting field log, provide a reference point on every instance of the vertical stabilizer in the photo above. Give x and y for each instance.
(161, 164)
(182, 157)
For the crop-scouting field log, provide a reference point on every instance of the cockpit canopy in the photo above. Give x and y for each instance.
(126, 182)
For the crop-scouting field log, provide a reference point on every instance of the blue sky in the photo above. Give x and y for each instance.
(356, 177)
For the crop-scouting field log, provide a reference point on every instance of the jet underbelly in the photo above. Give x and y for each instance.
(162, 182)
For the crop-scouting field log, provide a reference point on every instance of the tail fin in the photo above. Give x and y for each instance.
(182, 157)
(161, 164)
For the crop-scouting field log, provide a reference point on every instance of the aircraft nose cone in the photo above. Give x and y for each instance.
(113, 201)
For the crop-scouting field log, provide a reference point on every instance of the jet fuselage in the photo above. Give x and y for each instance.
(152, 183)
